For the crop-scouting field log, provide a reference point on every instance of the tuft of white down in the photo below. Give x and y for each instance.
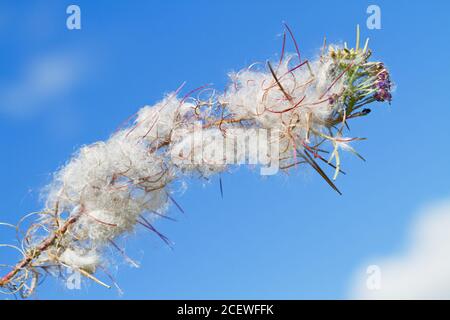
(256, 96)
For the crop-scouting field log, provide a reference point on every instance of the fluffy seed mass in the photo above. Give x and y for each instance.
(300, 107)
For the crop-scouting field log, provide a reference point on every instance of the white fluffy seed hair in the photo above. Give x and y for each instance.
(108, 188)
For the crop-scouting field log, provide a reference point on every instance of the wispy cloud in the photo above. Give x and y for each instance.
(422, 271)
(40, 83)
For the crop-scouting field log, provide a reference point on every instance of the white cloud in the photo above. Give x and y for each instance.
(42, 81)
(422, 271)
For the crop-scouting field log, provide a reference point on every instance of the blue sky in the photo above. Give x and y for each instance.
(277, 237)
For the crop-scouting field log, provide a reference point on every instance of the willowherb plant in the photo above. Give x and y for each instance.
(108, 188)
